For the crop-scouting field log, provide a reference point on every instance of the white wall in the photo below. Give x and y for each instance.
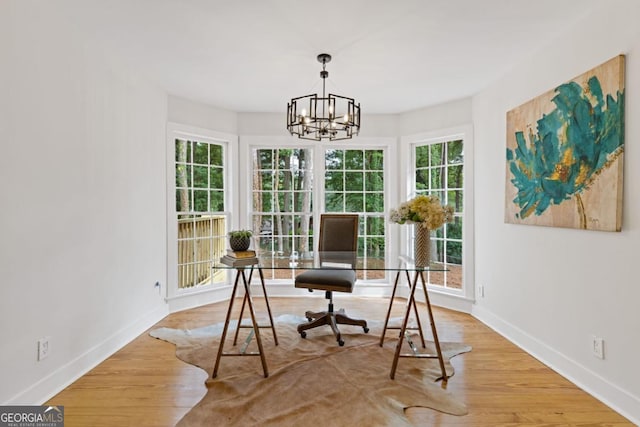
(83, 222)
(444, 116)
(187, 112)
(549, 289)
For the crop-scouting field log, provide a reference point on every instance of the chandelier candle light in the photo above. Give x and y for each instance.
(427, 214)
(331, 117)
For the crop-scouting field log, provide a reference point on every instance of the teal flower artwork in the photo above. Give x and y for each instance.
(571, 146)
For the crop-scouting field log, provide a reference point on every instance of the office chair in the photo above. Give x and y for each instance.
(337, 252)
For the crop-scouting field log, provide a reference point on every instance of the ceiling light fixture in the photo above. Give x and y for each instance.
(331, 117)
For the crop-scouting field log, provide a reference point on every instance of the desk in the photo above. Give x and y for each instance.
(413, 284)
(247, 300)
(308, 262)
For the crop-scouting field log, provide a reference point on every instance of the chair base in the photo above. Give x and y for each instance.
(331, 318)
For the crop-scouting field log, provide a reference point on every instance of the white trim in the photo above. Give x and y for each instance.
(452, 299)
(448, 300)
(199, 298)
(230, 144)
(387, 144)
(607, 392)
(68, 373)
(284, 290)
(389, 147)
(465, 133)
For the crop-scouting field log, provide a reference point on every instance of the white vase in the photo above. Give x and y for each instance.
(422, 246)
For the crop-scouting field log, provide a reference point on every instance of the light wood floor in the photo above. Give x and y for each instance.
(144, 384)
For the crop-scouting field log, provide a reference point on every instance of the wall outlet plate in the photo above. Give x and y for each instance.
(43, 348)
(597, 346)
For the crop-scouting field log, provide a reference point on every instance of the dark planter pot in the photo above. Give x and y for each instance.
(239, 243)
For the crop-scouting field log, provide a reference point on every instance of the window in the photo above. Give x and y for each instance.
(292, 185)
(354, 182)
(439, 171)
(282, 203)
(200, 206)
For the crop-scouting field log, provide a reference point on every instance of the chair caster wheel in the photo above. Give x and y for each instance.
(341, 343)
(303, 334)
(366, 330)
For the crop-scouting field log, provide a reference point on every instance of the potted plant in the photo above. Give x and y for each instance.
(239, 240)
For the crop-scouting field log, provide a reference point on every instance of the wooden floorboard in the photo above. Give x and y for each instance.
(144, 384)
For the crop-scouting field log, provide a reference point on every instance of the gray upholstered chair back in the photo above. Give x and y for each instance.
(338, 241)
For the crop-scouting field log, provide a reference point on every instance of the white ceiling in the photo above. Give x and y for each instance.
(254, 55)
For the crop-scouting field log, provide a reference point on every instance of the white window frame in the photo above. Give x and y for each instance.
(387, 144)
(446, 296)
(196, 295)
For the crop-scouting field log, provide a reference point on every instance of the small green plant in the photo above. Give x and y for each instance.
(240, 240)
(241, 233)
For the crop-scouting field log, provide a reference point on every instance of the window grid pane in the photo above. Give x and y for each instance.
(282, 205)
(282, 202)
(439, 171)
(361, 192)
(199, 171)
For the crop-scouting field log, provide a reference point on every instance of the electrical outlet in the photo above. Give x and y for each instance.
(43, 348)
(597, 346)
(481, 291)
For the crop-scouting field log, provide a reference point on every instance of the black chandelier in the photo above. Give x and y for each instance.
(331, 117)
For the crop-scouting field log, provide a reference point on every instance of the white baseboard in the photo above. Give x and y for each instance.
(608, 393)
(288, 290)
(198, 299)
(62, 377)
(448, 301)
(451, 302)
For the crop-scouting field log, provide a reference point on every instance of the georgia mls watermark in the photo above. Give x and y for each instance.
(31, 416)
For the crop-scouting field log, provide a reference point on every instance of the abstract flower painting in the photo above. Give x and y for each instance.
(565, 152)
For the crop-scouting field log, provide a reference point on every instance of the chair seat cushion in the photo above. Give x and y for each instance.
(341, 280)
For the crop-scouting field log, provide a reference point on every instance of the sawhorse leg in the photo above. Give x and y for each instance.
(397, 355)
(266, 299)
(415, 309)
(256, 329)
